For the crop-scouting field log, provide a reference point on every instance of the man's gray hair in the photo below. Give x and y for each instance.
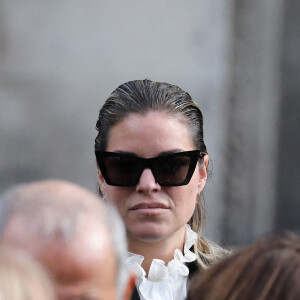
(50, 218)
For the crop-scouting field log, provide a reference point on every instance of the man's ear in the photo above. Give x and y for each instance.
(130, 286)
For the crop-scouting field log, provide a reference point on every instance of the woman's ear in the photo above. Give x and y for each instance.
(101, 182)
(206, 160)
(203, 173)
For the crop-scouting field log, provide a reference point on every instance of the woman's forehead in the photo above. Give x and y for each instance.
(158, 131)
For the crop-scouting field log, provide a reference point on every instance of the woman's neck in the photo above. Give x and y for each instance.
(160, 249)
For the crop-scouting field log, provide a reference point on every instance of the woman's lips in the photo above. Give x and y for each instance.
(149, 208)
(150, 205)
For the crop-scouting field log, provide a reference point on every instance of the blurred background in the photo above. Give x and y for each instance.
(239, 60)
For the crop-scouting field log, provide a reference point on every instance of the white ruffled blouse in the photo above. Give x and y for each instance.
(164, 282)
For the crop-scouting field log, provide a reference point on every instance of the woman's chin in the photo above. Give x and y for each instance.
(147, 234)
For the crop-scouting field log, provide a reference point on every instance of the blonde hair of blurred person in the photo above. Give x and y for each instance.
(77, 237)
(21, 277)
(266, 270)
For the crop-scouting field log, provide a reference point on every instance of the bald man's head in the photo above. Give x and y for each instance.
(71, 232)
(53, 207)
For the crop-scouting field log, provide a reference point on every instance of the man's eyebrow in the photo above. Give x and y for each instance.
(86, 298)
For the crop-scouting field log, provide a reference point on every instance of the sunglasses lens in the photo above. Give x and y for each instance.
(122, 170)
(172, 169)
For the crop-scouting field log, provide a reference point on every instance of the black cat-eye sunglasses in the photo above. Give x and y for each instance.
(172, 169)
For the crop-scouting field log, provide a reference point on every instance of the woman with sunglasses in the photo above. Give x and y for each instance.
(152, 163)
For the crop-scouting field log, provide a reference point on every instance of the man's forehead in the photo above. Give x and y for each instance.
(79, 269)
(74, 264)
(90, 233)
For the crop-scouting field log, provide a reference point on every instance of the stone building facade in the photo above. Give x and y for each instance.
(238, 59)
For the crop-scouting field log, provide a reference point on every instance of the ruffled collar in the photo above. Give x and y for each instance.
(164, 282)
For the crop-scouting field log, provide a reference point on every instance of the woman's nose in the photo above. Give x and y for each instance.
(147, 182)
